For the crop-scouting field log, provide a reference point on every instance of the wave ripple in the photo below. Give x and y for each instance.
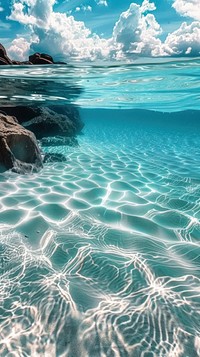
(100, 257)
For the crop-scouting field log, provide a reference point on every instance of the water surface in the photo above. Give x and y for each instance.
(99, 255)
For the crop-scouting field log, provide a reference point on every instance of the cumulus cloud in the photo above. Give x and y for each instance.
(19, 49)
(184, 41)
(102, 3)
(19, 15)
(136, 33)
(56, 32)
(188, 8)
(147, 6)
(33, 12)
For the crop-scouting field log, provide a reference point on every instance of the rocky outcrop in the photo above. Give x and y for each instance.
(4, 59)
(21, 126)
(19, 150)
(35, 59)
(47, 122)
(41, 58)
(18, 63)
(71, 112)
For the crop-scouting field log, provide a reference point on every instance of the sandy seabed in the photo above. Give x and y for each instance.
(99, 256)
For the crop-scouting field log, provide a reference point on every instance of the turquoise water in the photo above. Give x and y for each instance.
(100, 255)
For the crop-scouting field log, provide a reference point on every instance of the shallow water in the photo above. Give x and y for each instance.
(99, 256)
(169, 86)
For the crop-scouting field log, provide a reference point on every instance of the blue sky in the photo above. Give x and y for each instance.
(101, 29)
(101, 19)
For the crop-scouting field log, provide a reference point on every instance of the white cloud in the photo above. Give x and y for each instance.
(19, 15)
(136, 33)
(184, 41)
(87, 8)
(188, 8)
(102, 3)
(19, 49)
(147, 6)
(33, 12)
(1, 8)
(57, 33)
(83, 8)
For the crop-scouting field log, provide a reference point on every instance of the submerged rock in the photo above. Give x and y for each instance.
(46, 122)
(59, 141)
(22, 113)
(54, 157)
(19, 150)
(71, 112)
(49, 123)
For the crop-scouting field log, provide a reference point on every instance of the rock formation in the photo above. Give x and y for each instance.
(46, 122)
(19, 150)
(4, 59)
(35, 59)
(21, 126)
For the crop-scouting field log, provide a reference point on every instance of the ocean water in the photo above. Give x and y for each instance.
(100, 255)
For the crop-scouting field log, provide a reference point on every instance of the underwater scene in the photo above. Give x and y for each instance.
(100, 245)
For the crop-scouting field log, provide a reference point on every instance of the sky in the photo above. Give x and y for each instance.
(99, 30)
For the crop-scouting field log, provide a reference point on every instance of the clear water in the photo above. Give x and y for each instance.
(100, 256)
